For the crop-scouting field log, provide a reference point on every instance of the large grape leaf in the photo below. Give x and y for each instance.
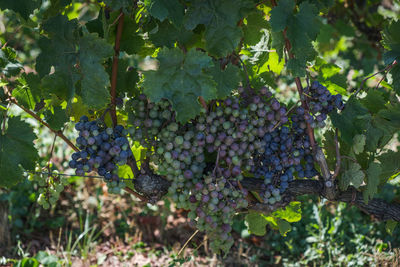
(59, 50)
(181, 78)
(352, 176)
(254, 27)
(352, 120)
(167, 35)
(280, 15)
(226, 79)
(16, 149)
(220, 18)
(24, 8)
(291, 213)
(131, 41)
(390, 165)
(56, 117)
(373, 172)
(95, 80)
(162, 9)
(391, 41)
(256, 223)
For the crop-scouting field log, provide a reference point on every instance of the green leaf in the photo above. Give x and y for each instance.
(166, 35)
(373, 172)
(24, 8)
(16, 149)
(352, 176)
(374, 101)
(390, 164)
(396, 78)
(181, 79)
(127, 78)
(390, 226)
(118, 4)
(256, 223)
(291, 213)
(254, 27)
(220, 18)
(60, 49)
(95, 80)
(273, 64)
(56, 118)
(352, 120)
(280, 15)
(162, 9)
(283, 226)
(131, 42)
(391, 41)
(226, 79)
(358, 143)
(302, 29)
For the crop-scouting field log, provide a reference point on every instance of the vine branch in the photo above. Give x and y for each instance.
(37, 117)
(114, 72)
(378, 208)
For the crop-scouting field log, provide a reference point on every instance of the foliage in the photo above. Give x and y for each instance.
(161, 70)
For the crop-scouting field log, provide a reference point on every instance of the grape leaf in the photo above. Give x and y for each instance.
(272, 64)
(373, 172)
(226, 79)
(220, 18)
(181, 78)
(131, 42)
(352, 176)
(291, 213)
(280, 15)
(24, 8)
(56, 118)
(390, 164)
(167, 35)
(358, 143)
(60, 49)
(396, 78)
(118, 4)
(256, 223)
(95, 80)
(254, 28)
(16, 149)
(390, 226)
(374, 101)
(162, 9)
(352, 120)
(391, 42)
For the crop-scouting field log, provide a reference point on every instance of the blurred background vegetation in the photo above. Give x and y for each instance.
(90, 227)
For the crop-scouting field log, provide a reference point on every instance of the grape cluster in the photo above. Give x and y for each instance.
(50, 186)
(213, 203)
(101, 149)
(147, 119)
(320, 102)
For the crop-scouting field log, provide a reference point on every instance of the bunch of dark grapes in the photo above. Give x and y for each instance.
(213, 203)
(102, 149)
(320, 102)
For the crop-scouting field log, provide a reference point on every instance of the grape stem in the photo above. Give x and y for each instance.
(114, 72)
(385, 71)
(338, 158)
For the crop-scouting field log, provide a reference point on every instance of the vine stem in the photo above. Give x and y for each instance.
(385, 71)
(37, 117)
(114, 72)
(318, 153)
